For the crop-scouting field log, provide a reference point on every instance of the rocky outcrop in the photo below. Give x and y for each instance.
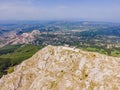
(35, 33)
(24, 38)
(64, 68)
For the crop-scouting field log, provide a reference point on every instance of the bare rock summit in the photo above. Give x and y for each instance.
(64, 68)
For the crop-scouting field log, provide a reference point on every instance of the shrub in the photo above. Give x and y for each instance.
(10, 70)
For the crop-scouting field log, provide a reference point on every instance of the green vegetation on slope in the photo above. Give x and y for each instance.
(8, 49)
(14, 54)
(115, 52)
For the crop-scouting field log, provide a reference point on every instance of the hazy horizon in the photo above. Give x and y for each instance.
(85, 10)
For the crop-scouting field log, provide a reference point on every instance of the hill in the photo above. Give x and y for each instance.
(64, 68)
(14, 54)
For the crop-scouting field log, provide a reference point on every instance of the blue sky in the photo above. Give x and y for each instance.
(91, 10)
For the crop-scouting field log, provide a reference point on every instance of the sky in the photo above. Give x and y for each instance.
(91, 10)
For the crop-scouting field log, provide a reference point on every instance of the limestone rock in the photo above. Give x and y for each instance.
(26, 37)
(64, 68)
(35, 33)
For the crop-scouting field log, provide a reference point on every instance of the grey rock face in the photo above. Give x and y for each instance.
(64, 68)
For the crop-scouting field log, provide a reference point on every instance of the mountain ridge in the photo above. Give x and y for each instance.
(64, 68)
